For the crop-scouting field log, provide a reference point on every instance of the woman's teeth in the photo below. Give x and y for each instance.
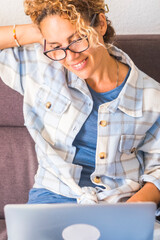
(80, 64)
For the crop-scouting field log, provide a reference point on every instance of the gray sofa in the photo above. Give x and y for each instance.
(18, 162)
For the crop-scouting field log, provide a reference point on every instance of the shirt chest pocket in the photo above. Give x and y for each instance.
(51, 106)
(130, 143)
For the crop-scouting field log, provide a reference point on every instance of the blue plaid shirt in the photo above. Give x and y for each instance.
(56, 105)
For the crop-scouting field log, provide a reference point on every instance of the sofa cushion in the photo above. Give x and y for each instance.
(144, 50)
(11, 107)
(18, 165)
(3, 233)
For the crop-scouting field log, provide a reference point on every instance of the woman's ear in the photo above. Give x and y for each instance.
(102, 26)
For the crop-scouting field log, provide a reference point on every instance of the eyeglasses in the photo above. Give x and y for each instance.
(77, 46)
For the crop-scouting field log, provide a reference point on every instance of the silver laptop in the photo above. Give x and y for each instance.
(122, 221)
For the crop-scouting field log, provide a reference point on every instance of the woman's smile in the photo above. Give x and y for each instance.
(80, 65)
(84, 64)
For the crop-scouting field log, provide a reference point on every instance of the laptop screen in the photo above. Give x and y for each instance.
(130, 221)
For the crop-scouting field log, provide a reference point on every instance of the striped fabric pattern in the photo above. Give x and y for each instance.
(57, 103)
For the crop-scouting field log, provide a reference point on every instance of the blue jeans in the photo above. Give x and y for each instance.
(42, 195)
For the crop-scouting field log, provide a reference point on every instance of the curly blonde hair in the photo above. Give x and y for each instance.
(79, 12)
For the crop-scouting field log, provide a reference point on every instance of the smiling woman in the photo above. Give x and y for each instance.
(86, 105)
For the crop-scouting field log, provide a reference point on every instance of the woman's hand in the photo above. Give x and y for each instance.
(25, 34)
(29, 33)
(148, 193)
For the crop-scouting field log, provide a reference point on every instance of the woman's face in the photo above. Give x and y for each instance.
(59, 32)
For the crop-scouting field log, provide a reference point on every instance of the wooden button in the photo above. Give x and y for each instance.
(97, 179)
(103, 123)
(48, 105)
(133, 150)
(102, 155)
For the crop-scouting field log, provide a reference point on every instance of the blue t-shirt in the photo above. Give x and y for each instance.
(86, 140)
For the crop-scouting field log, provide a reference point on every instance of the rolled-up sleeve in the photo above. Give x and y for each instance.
(12, 68)
(151, 150)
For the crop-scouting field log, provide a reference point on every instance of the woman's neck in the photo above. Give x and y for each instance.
(110, 74)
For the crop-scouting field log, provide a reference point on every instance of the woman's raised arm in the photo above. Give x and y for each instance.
(25, 34)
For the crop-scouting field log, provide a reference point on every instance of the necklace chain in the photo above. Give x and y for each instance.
(117, 72)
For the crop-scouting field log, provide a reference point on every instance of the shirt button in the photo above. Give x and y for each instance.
(97, 179)
(103, 123)
(102, 155)
(133, 150)
(48, 105)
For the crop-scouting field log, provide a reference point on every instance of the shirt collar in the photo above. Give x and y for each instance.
(74, 81)
(130, 99)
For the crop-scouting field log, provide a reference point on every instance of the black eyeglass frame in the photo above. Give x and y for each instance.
(67, 48)
(64, 49)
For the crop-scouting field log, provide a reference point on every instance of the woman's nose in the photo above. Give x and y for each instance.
(71, 55)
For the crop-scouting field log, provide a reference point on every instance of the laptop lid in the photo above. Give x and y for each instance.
(122, 221)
